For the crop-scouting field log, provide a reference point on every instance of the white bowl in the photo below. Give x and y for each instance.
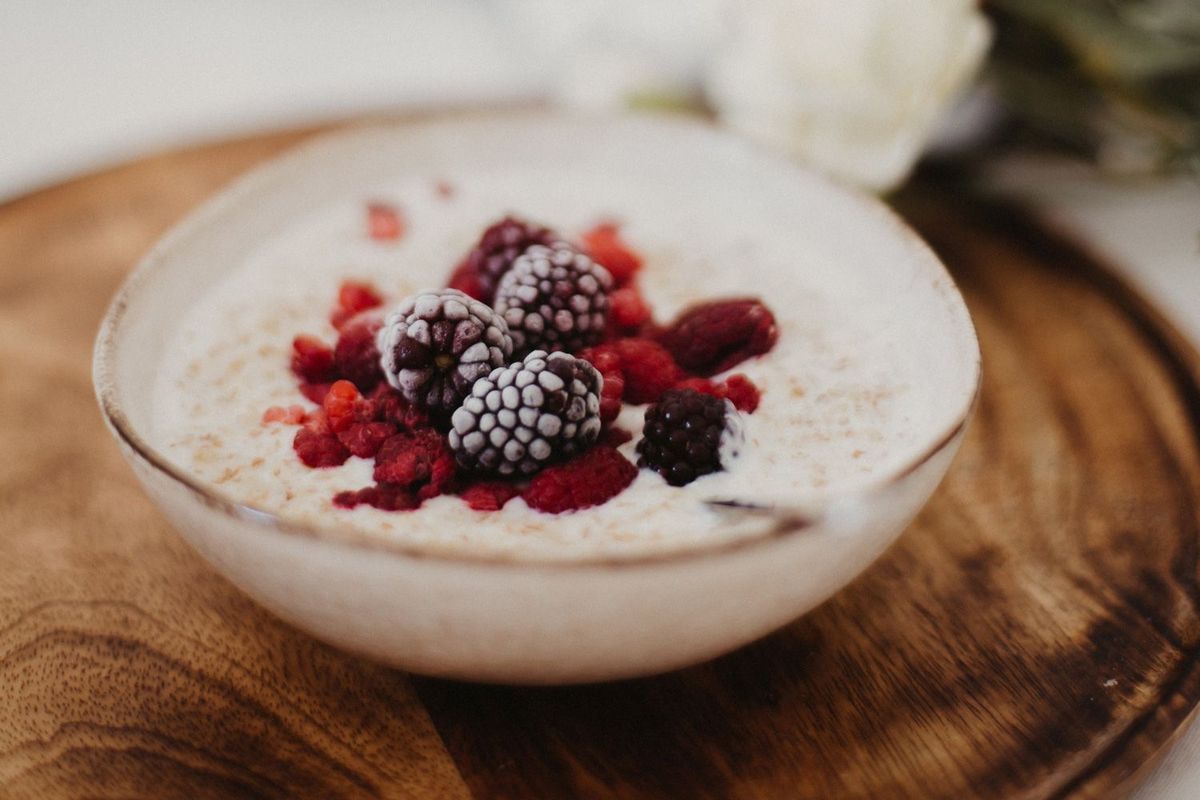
(530, 620)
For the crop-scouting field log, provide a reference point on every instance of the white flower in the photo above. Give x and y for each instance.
(854, 87)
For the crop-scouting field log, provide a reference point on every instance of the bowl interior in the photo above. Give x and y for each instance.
(885, 298)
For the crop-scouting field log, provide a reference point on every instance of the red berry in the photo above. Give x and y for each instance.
(467, 280)
(648, 368)
(339, 405)
(315, 391)
(742, 392)
(274, 414)
(615, 437)
(441, 476)
(489, 495)
(354, 297)
(712, 337)
(312, 360)
(385, 404)
(627, 308)
(591, 478)
(606, 361)
(356, 358)
(317, 449)
(363, 439)
(386, 498)
(702, 385)
(292, 415)
(407, 459)
(604, 244)
(385, 222)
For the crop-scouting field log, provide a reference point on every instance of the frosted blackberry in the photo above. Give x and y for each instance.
(688, 434)
(554, 298)
(499, 247)
(434, 345)
(522, 417)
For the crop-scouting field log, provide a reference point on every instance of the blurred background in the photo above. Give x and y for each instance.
(1087, 109)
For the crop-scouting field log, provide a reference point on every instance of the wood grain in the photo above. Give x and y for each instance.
(1035, 633)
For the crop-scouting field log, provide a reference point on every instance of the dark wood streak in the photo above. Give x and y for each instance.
(974, 660)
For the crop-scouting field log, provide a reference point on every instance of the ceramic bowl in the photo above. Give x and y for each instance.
(512, 619)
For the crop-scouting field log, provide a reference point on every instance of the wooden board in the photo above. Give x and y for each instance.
(1034, 634)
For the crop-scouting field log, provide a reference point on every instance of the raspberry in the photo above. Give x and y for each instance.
(363, 439)
(438, 343)
(339, 404)
(589, 479)
(318, 449)
(385, 404)
(648, 368)
(489, 495)
(603, 243)
(520, 417)
(385, 222)
(385, 498)
(554, 298)
(292, 415)
(608, 364)
(742, 392)
(467, 280)
(354, 297)
(312, 360)
(685, 433)
(712, 337)
(407, 459)
(615, 437)
(441, 476)
(315, 391)
(629, 310)
(356, 357)
(498, 248)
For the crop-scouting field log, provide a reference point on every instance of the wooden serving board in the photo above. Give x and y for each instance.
(1034, 634)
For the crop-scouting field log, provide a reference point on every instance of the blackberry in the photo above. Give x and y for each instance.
(554, 298)
(434, 345)
(499, 247)
(688, 434)
(521, 417)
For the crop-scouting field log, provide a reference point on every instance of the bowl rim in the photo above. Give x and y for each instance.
(296, 156)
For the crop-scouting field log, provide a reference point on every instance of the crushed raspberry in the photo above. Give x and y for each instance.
(604, 244)
(354, 297)
(385, 498)
(615, 437)
(466, 279)
(407, 459)
(339, 405)
(608, 364)
(385, 222)
(591, 478)
(292, 415)
(489, 495)
(356, 358)
(712, 337)
(312, 360)
(742, 392)
(627, 309)
(319, 449)
(648, 368)
(363, 439)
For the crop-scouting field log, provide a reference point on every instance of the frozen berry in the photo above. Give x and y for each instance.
(312, 360)
(407, 459)
(604, 244)
(466, 280)
(356, 356)
(688, 434)
(317, 449)
(554, 298)
(629, 310)
(497, 249)
(737, 389)
(521, 417)
(591, 478)
(646, 368)
(339, 405)
(438, 343)
(489, 495)
(608, 363)
(315, 391)
(385, 404)
(353, 298)
(712, 337)
(363, 439)
(385, 222)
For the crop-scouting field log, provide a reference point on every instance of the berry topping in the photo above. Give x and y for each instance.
(312, 360)
(608, 363)
(520, 417)
(467, 280)
(385, 498)
(554, 298)
(688, 434)
(318, 448)
(712, 337)
(591, 478)
(438, 343)
(353, 297)
(737, 389)
(646, 368)
(629, 310)
(385, 223)
(292, 415)
(339, 405)
(604, 244)
(415, 459)
(496, 251)
(356, 356)
(489, 495)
